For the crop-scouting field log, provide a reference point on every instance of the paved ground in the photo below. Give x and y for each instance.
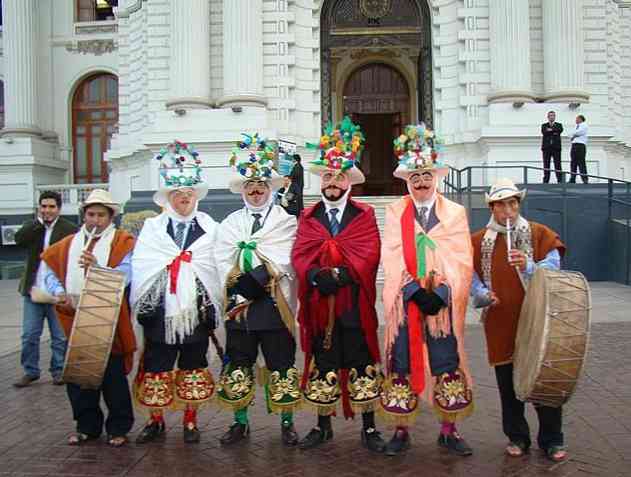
(35, 421)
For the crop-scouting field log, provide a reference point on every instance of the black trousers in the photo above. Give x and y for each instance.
(514, 422)
(555, 154)
(577, 162)
(278, 346)
(348, 350)
(160, 357)
(86, 408)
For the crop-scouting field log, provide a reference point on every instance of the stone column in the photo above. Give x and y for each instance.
(20, 56)
(190, 55)
(563, 51)
(510, 51)
(242, 53)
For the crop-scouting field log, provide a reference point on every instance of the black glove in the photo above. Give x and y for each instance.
(344, 277)
(327, 285)
(248, 287)
(429, 302)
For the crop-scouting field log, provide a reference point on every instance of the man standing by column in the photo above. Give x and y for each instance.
(174, 297)
(253, 256)
(36, 236)
(427, 261)
(97, 243)
(497, 287)
(579, 150)
(551, 147)
(336, 256)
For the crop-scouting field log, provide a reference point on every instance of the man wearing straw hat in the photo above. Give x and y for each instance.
(336, 256)
(501, 271)
(173, 297)
(427, 260)
(253, 255)
(97, 243)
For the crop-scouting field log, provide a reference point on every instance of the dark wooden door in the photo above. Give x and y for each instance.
(376, 96)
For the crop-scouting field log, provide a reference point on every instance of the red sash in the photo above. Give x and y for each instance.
(415, 328)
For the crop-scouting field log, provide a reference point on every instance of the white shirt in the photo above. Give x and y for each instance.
(42, 268)
(187, 227)
(427, 203)
(579, 135)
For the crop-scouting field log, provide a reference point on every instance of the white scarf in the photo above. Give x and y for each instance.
(75, 276)
(274, 242)
(170, 211)
(257, 209)
(155, 250)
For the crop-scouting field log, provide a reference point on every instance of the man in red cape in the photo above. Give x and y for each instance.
(336, 256)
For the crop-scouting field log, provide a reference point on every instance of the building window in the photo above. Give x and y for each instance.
(95, 10)
(94, 120)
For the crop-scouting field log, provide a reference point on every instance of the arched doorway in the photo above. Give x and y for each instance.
(388, 43)
(377, 97)
(94, 120)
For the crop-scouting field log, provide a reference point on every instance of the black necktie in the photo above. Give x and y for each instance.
(257, 225)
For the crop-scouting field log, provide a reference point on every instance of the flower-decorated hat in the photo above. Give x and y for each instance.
(253, 160)
(504, 189)
(417, 150)
(180, 167)
(339, 151)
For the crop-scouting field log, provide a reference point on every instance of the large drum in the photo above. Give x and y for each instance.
(93, 328)
(552, 337)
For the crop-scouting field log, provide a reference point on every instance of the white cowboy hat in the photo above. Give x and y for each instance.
(161, 196)
(403, 171)
(101, 197)
(503, 189)
(355, 176)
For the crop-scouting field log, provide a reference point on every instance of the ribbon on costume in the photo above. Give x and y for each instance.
(174, 268)
(414, 249)
(247, 249)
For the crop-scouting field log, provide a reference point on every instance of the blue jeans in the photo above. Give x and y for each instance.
(34, 316)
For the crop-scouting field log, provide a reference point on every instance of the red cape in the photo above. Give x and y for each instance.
(358, 248)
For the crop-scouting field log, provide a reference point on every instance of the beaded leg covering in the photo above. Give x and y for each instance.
(154, 391)
(453, 399)
(235, 389)
(193, 388)
(399, 405)
(322, 392)
(364, 388)
(283, 390)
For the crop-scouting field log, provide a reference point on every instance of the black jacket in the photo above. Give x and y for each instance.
(551, 140)
(31, 237)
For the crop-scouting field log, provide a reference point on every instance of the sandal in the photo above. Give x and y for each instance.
(516, 449)
(78, 438)
(556, 453)
(116, 441)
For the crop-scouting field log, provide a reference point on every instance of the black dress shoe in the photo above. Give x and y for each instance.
(399, 443)
(191, 434)
(151, 432)
(236, 433)
(372, 440)
(315, 437)
(455, 444)
(289, 434)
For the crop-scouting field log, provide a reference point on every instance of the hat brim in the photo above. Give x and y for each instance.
(355, 176)
(402, 172)
(161, 196)
(115, 208)
(505, 195)
(237, 184)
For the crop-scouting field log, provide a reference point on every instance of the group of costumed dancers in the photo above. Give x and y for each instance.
(275, 281)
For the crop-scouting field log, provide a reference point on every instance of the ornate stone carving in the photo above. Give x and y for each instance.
(363, 53)
(92, 47)
(91, 28)
(375, 9)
